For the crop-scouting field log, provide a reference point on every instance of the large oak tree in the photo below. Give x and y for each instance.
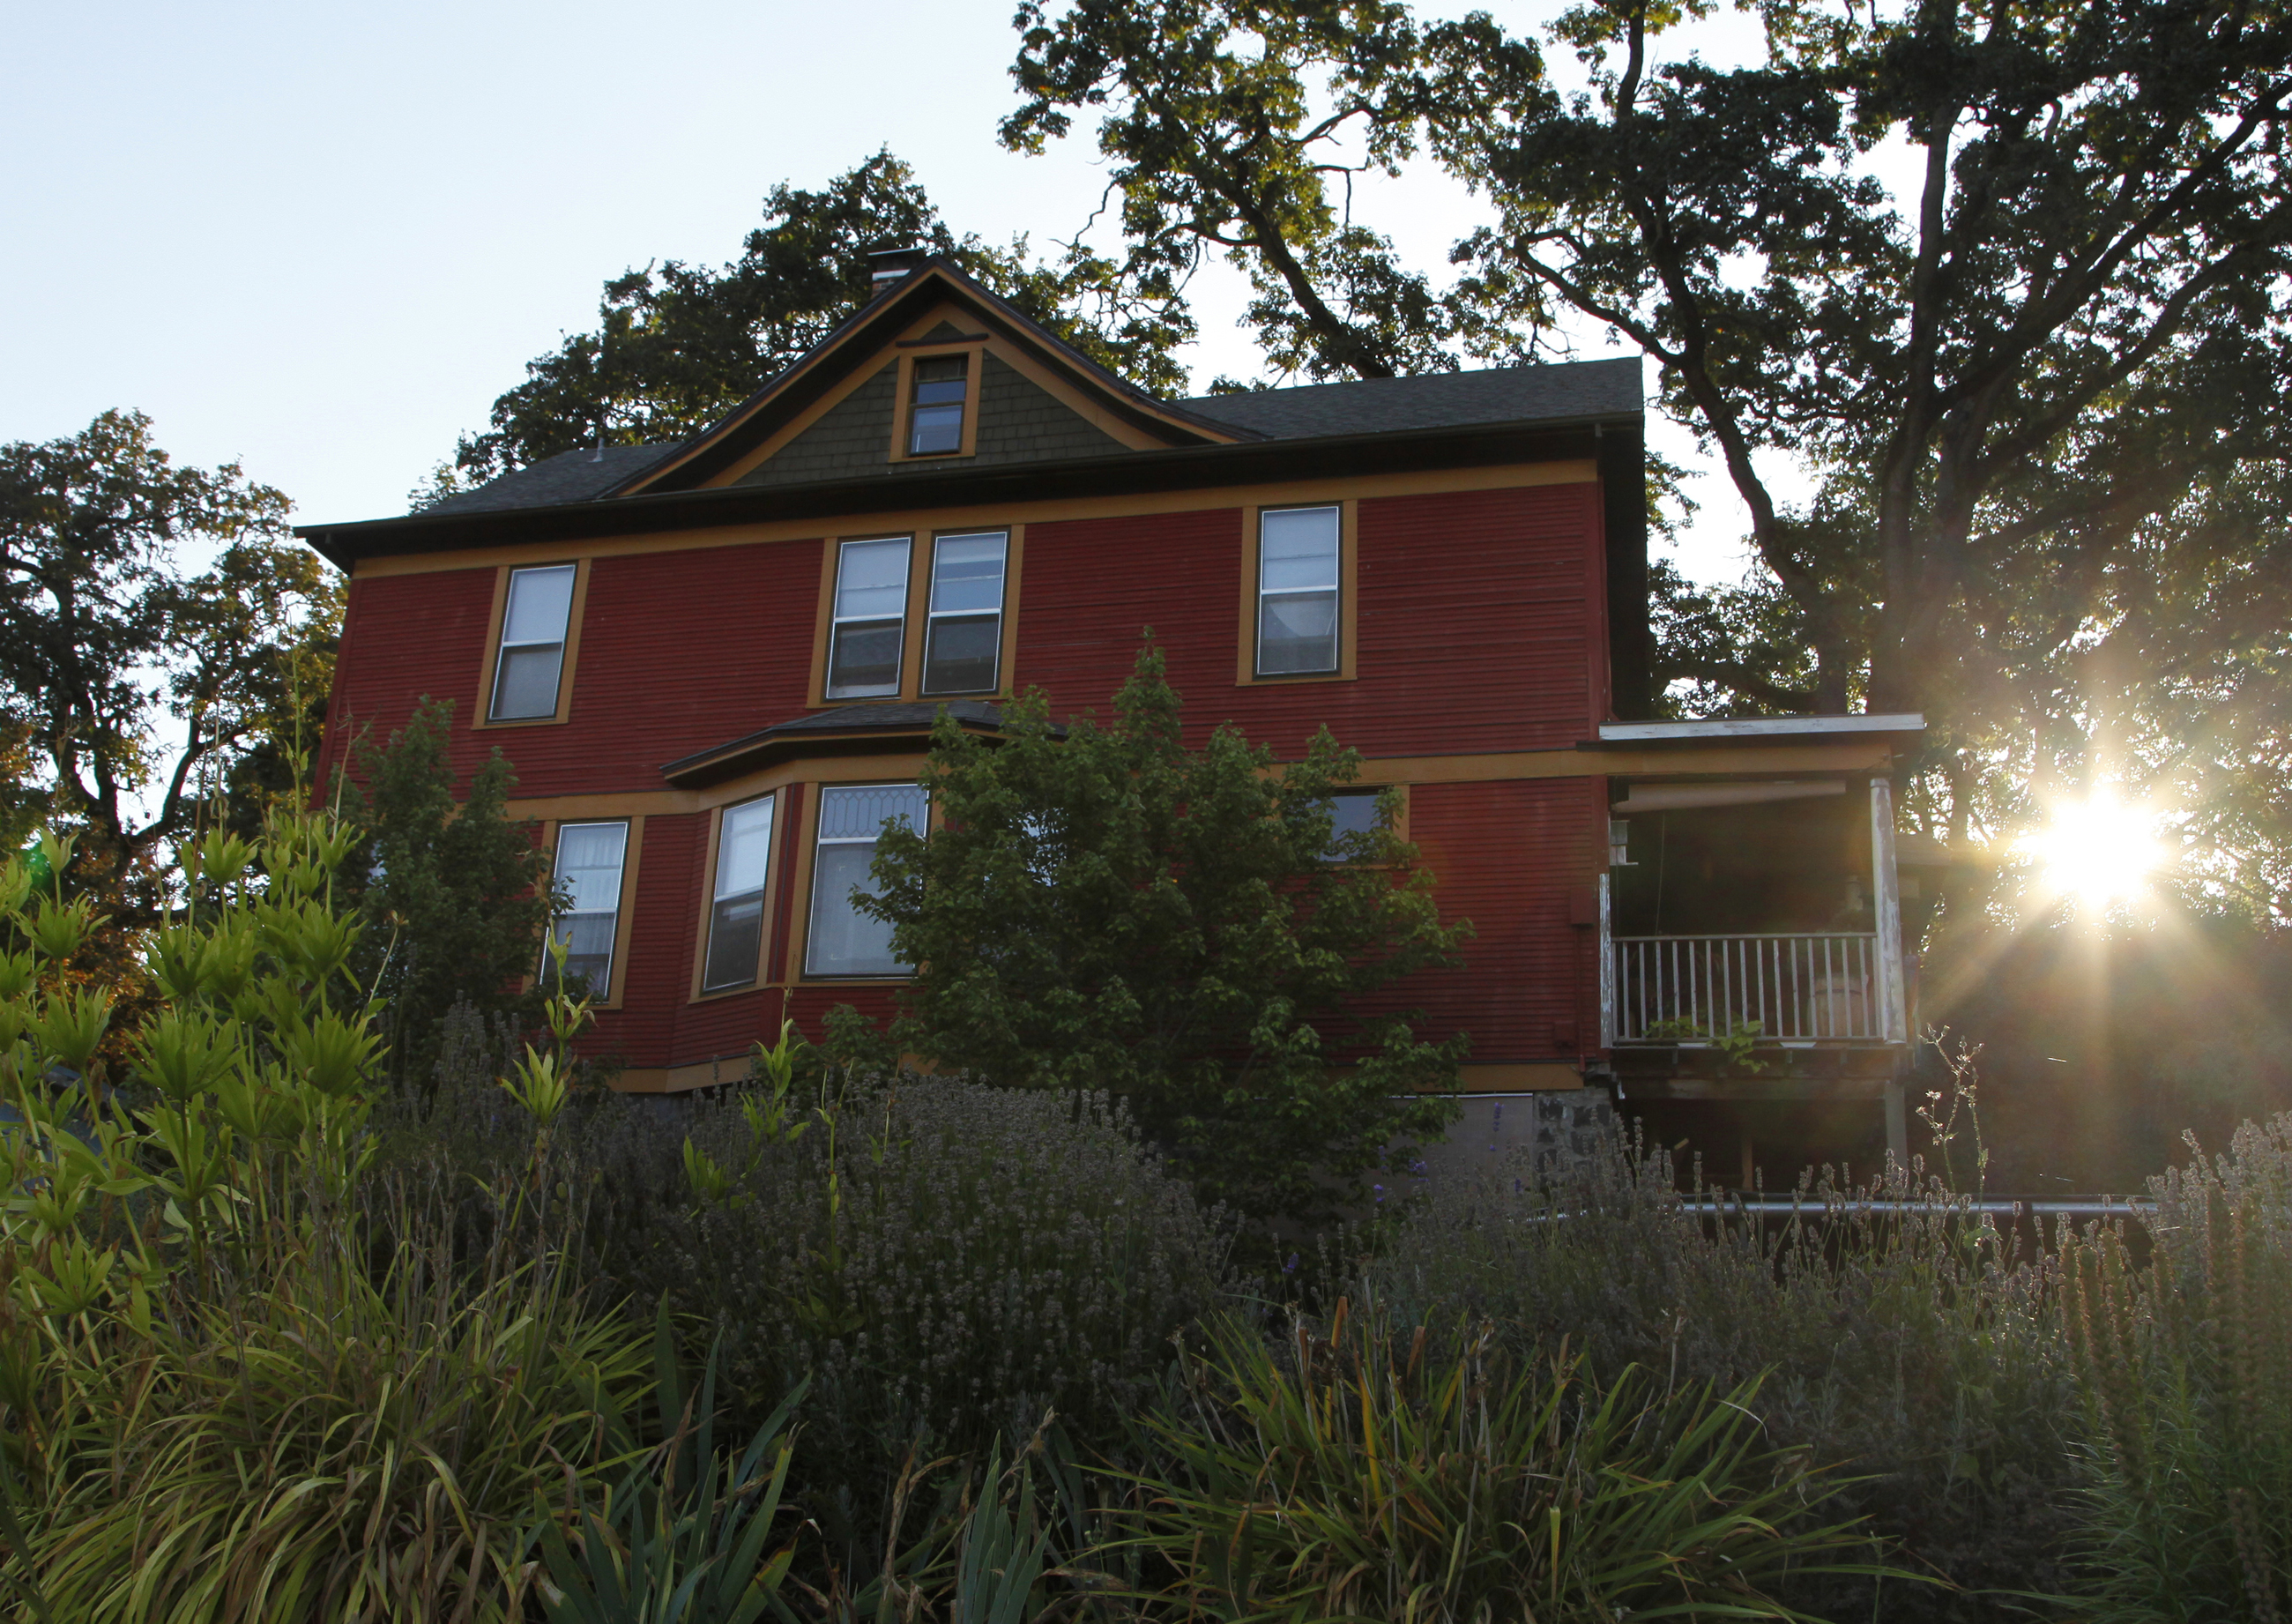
(130, 677)
(2039, 386)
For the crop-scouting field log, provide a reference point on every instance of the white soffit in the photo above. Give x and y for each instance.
(1680, 797)
(1759, 727)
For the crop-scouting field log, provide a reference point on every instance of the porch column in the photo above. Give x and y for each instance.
(1893, 1004)
(1607, 970)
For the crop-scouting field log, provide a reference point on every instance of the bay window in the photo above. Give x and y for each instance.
(841, 940)
(736, 915)
(589, 857)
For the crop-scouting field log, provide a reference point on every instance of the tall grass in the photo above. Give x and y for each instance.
(1918, 1347)
(2185, 1373)
(242, 1374)
(1393, 1474)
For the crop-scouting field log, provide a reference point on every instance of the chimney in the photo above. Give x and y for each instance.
(886, 266)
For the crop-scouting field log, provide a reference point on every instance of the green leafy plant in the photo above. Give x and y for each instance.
(1107, 907)
(242, 1373)
(681, 1538)
(1385, 1472)
(1735, 1046)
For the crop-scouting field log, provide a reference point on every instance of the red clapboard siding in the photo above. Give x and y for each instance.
(679, 651)
(1505, 855)
(405, 637)
(656, 935)
(1090, 586)
(808, 1006)
(1476, 622)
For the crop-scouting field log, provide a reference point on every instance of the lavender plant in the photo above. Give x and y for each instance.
(2184, 1374)
(1916, 1348)
(947, 1262)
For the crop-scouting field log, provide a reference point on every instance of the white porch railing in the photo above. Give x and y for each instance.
(1793, 987)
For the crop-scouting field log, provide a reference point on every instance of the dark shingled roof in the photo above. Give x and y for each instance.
(570, 476)
(1571, 391)
(1435, 400)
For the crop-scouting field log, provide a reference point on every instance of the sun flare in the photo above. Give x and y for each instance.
(2097, 851)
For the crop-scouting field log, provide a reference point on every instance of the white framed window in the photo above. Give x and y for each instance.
(843, 941)
(531, 663)
(962, 634)
(940, 386)
(866, 638)
(736, 914)
(590, 858)
(1298, 551)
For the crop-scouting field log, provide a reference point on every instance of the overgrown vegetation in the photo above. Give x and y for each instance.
(286, 1335)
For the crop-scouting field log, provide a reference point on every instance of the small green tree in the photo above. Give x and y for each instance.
(456, 890)
(1104, 908)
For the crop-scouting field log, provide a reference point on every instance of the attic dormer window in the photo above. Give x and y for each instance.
(935, 413)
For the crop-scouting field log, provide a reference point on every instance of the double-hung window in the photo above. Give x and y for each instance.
(532, 659)
(735, 917)
(589, 862)
(871, 608)
(935, 406)
(1297, 562)
(843, 941)
(963, 639)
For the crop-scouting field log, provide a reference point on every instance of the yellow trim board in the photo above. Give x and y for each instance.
(897, 521)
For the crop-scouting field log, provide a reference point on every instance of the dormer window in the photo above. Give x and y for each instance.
(935, 412)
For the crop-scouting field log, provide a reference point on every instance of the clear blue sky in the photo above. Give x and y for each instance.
(321, 240)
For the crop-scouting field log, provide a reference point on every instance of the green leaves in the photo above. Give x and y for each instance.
(1398, 1472)
(1103, 907)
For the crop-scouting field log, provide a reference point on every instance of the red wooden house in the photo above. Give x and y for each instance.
(714, 664)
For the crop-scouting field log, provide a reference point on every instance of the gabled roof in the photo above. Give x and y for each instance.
(875, 329)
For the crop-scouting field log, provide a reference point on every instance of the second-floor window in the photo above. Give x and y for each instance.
(735, 917)
(963, 639)
(871, 607)
(532, 659)
(1297, 565)
(935, 409)
(843, 941)
(588, 876)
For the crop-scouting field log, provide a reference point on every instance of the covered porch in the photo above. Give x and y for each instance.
(1751, 916)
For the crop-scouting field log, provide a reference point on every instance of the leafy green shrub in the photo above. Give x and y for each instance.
(1920, 1351)
(241, 1375)
(2184, 1369)
(1382, 1474)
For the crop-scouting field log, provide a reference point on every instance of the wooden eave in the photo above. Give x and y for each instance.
(1206, 468)
(862, 341)
(774, 744)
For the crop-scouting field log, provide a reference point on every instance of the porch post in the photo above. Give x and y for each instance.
(1895, 1020)
(1607, 972)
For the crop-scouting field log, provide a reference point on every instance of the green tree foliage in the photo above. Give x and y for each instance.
(2039, 388)
(1105, 907)
(677, 345)
(1234, 130)
(106, 637)
(455, 892)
